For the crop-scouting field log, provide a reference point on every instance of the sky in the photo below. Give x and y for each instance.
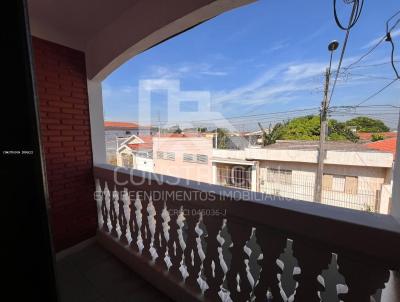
(265, 57)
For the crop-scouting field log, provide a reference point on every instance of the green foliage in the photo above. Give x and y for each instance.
(222, 138)
(377, 137)
(367, 124)
(302, 128)
(202, 129)
(308, 128)
(339, 131)
(273, 134)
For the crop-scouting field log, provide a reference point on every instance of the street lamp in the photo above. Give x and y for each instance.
(332, 47)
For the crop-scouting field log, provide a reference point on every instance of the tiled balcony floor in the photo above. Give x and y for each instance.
(93, 274)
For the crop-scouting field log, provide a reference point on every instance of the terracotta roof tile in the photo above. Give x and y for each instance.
(388, 145)
(368, 135)
(124, 125)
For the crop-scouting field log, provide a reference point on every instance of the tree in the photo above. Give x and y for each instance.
(222, 138)
(302, 128)
(273, 134)
(308, 128)
(367, 124)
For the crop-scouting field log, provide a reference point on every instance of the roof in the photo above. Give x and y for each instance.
(147, 143)
(123, 125)
(313, 145)
(388, 145)
(368, 135)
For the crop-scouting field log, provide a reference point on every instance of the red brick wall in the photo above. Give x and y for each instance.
(65, 132)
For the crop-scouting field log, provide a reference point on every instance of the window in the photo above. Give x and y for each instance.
(281, 176)
(188, 157)
(127, 132)
(340, 183)
(127, 160)
(202, 159)
(166, 155)
(234, 176)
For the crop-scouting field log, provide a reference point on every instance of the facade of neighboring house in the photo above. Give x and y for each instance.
(136, 152)
(231, 169)
(354, 175)
(117, 132)
(183, 155)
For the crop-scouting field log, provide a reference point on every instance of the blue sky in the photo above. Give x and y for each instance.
(268, 56)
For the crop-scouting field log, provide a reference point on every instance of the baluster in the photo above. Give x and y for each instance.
(131, 224)
(312, 260)
(113, 213)
(201, 231)
(253, 267)
(139, 217)
(192, 257)
(122, 211)
(288, 265)
(99, 203)
(272, 244)
(363, 277)
(166, 236)
(239, 287)
(182, 237)
(106, 209)
(151, 211)
(159, 243)
(333, 283)
(212, 270)
(146, 233)
(225, 259)
(175, 253)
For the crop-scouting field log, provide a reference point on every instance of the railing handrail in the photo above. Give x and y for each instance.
(374, 235)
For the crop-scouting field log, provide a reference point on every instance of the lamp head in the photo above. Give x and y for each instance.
(333, 45)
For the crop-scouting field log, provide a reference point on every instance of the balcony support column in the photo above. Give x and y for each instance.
(96, 122)
(395, 207)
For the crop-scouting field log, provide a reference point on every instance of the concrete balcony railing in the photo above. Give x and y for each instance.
(200, 242)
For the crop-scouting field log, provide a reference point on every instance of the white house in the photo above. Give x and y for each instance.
(136, 152)
(354, 175)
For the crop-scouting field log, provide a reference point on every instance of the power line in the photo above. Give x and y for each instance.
(240, 116)
(390, 40)
(374, 46)
(376, 93)
(354, 16)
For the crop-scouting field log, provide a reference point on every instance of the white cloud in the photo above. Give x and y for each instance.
(184, 70)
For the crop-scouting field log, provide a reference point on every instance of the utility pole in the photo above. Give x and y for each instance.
(321, 149)
(323, 127)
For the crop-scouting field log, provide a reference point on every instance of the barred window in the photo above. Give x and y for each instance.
(188, 157)
(202, 159)
(340, 183)
(281, 176)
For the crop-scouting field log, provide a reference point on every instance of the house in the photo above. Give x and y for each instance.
(355, 176)
(79, 226)
(117, 132)
(136, 152)
(387, 145)
(184, 155)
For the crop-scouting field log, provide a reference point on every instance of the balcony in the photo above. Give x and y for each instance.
(210, 248)
(184, 240)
